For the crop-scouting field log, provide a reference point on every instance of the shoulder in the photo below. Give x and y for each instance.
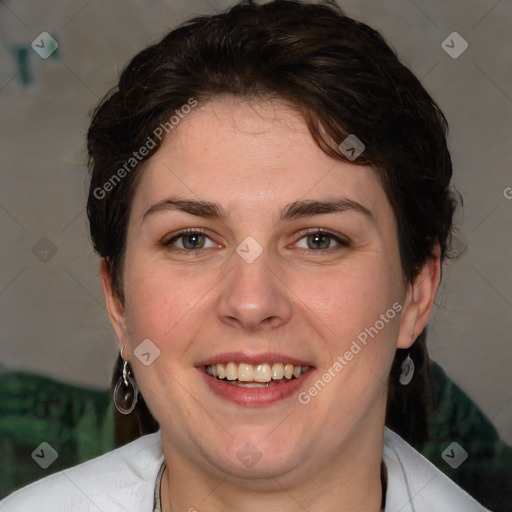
(416, 485)
(120, 480)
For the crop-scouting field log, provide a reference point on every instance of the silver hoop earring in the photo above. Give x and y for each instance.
(126, 392)
(407, 371)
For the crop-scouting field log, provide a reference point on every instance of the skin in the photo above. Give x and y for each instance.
(297, 298)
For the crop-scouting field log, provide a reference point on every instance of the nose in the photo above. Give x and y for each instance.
(254, 296)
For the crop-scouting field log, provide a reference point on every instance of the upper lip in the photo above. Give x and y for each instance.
(242, 357)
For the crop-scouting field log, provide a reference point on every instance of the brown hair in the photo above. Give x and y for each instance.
(343, 79)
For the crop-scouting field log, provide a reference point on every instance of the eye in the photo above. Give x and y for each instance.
(322, 240)
(189, 240)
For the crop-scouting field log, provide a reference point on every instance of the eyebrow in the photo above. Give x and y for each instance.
(295, 210)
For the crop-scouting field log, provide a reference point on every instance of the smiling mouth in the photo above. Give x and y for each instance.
(255, 376)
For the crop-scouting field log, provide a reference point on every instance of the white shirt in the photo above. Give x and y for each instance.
(123, 480)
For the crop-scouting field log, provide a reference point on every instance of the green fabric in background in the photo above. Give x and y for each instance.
(76, 422)
(486, 474)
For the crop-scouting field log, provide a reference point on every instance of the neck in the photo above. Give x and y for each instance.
(349, 482)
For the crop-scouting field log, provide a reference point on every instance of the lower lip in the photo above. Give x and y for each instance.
(254, 396)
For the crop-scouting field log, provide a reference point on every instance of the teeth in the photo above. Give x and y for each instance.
(246, 372)
(263, 372)
(231, 371)
(221, 371)
(277, 371)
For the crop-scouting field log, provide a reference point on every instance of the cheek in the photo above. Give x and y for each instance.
(348, 299)
(164, 303)
(357, 311)
(153, 304)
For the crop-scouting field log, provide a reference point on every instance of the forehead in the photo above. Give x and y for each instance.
(251, 157)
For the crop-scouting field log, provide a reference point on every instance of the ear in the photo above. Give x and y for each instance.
(114, 306)
(419, 300)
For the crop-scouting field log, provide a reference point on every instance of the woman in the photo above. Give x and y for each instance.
(270, 198)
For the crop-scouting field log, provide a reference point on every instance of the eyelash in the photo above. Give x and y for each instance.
(304, 234)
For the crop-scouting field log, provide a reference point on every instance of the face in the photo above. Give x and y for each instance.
(293, 261)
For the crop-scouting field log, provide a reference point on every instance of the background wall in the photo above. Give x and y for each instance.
(52, 316)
